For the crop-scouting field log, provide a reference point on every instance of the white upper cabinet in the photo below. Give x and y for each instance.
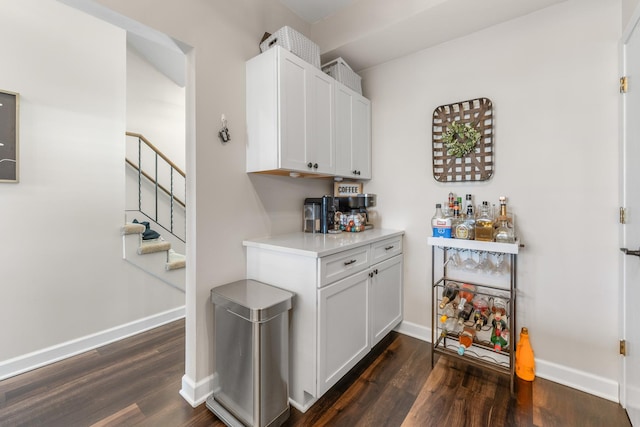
(289, 115)
(353, 133)
(301, 120)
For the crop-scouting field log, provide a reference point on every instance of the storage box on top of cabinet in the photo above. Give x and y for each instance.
(340, 70)
(294, 42)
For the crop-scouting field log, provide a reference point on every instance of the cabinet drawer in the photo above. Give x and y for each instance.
(386, 249)
(340, 265)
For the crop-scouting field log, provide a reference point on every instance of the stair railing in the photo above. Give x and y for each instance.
(153, 179)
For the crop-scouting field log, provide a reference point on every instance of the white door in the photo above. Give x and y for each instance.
(630, 390)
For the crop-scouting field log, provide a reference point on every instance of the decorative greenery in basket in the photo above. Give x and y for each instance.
(460, 139)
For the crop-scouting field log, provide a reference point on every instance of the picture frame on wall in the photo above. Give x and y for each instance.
(9, 144)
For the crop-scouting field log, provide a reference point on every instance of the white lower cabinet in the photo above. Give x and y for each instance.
(385, 296)
(345, 303)
(343, 328)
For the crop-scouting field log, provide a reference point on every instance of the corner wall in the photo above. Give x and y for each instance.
(552, 77)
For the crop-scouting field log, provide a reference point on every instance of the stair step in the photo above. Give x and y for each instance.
(152, 246)
(175, 261)
(132, 228)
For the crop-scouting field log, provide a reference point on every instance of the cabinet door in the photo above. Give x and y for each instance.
(293, 112)
(343, 328)
(320, 145)
(386, 297)
(361, 145)
(343, 127)
(353, 133)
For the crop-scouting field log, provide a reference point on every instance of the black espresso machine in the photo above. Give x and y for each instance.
(329, 214)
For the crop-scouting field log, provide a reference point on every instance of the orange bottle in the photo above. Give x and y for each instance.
(525, 363)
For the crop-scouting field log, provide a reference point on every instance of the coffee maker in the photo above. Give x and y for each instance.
(357, 204)
(319, 214)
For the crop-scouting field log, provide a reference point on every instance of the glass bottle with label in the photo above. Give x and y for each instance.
(484, 223)
(440, 224)
(466, 227)
(504, 232)
(465, 339)
(449, 293)
(456, 220)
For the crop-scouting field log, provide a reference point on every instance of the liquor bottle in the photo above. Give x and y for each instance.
(499, 338)
(449, 293)
(456, 220)
(466, 227)
(499, 333)
(449, 206)
(464, 313)
(466, 293)
(480, 319)
(448, 319)
(525, 362)
(504, 228)
(465, 339)
(469, 202)
(499, 306)
(484, 223)
(480, 312)
(440, 224)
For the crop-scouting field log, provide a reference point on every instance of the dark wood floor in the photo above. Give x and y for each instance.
(136, 382)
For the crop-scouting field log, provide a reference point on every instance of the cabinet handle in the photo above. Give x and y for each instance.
(309, 165)
(371, 274)
(315, 166)
(388, 248)
(375, 271)
(355, 172)
(349, 262)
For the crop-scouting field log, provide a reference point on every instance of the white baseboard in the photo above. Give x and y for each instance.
(580, 380)
(196, 393)
(37, 359)
(414, 330)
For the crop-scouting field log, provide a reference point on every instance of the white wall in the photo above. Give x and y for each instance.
(63, 277)
(552, 77)
(628, 8)
(155, 107)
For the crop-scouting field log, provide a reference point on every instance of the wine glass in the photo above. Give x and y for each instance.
(502, 265)
(485, 265)
(454, 260)
(469, 263)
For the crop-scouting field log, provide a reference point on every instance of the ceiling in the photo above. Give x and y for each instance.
(315, 10)
(370, 32)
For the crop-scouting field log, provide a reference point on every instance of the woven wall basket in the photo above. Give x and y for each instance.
(475, 166)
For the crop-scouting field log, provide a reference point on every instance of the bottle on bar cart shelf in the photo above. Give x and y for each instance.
(504, 224)
(484, 223)
(466, 227)
(449, 293)
(440, 224)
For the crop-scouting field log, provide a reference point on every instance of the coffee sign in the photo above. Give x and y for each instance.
(345, 189)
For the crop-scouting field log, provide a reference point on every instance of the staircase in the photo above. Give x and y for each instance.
(155, 256)
(152, 203)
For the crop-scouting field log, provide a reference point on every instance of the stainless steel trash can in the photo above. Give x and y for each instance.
(252, 354)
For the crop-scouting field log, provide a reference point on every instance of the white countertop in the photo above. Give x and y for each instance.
(317, 244)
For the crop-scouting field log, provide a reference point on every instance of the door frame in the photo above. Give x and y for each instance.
(632, 25)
